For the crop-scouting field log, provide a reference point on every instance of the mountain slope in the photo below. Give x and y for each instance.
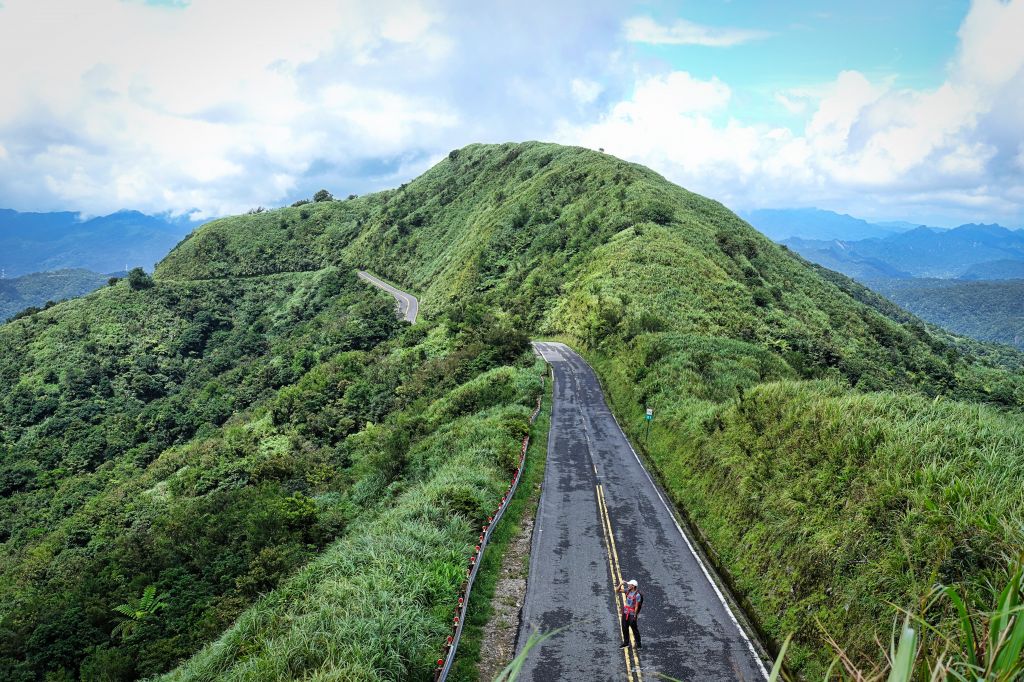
(810, 431)
(797, 426)
(209, 442)
(986, 310)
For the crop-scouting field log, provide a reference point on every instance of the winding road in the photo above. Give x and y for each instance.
(408, 306)
(602, 520)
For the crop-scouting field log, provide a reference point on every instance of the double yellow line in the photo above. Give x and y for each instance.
(632, 657)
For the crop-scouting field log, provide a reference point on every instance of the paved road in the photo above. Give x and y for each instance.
(408, 306)
(593, 483)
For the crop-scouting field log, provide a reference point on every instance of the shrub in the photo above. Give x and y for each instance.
(139, 280)
(323, 195)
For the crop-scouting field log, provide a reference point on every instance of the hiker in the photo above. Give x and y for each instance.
(634, 601)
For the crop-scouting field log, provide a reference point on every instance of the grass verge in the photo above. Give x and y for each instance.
(480, 612)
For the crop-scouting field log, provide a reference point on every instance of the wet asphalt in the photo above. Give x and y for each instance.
(688, 632)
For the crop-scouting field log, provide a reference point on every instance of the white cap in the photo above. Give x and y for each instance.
(632, 582)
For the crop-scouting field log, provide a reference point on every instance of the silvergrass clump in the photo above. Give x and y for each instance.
(984, 645)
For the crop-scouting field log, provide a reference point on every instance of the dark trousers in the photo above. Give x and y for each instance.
(627, 625)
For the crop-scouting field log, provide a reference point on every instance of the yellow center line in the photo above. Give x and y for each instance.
(613, 565)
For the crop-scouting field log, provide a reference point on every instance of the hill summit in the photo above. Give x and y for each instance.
(810, 431)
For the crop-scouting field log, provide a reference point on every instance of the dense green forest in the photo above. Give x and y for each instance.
(837, 454)
(177, 449)
(986, 310)
(40, 288)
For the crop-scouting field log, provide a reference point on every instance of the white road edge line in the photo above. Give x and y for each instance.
(689, 545)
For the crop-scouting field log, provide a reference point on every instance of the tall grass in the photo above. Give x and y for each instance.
(376, 604)
(868, 467)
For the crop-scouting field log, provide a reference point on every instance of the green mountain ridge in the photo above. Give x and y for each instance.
(836, 453)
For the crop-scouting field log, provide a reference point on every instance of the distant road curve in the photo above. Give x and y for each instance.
(408, 306)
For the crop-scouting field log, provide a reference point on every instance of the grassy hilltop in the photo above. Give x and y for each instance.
(835, 452)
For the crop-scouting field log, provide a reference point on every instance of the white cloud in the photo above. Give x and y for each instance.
(214, 104)
(683, 32)
(228, 104)
(792, 104)
(867, 145)
(585, 91)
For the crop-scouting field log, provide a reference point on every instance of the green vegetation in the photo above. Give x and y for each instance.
(525, 500)
(197, 443)
(214, 426)
(856, 431)
(985, 310)
(33, 291)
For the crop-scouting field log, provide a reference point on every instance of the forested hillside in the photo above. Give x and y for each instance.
(171, 451)
(986, 310)
(812, 432)
(837, 454)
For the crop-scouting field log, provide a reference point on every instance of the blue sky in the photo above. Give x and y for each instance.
(885, 110)
(808, 43)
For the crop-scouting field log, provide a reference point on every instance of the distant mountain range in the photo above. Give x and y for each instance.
(968, 279)
(865, 251)
(813, 223)
(968, 251)
(37, 242)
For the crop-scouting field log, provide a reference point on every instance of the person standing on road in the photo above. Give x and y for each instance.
(633, 602)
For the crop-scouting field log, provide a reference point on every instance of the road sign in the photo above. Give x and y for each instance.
(650, 414)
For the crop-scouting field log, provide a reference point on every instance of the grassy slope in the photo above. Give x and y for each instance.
(748, 354)
(376, 604)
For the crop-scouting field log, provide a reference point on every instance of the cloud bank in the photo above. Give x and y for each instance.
(221, 105)
(949, 153)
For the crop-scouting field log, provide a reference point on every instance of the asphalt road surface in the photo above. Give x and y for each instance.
(408, 306)
(601, 520)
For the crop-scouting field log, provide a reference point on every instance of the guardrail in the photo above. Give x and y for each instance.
(444, 664)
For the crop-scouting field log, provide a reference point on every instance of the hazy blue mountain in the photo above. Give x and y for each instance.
(36, 289)
(902, 225)
(967, 251)
(38, 242)
(813, 223)
(841, 256)
(926, 252)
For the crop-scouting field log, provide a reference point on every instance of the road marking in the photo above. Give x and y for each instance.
(613, 556)
(686, 539)
(616, 576)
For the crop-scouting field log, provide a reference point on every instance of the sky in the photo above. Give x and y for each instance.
(883, 110)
